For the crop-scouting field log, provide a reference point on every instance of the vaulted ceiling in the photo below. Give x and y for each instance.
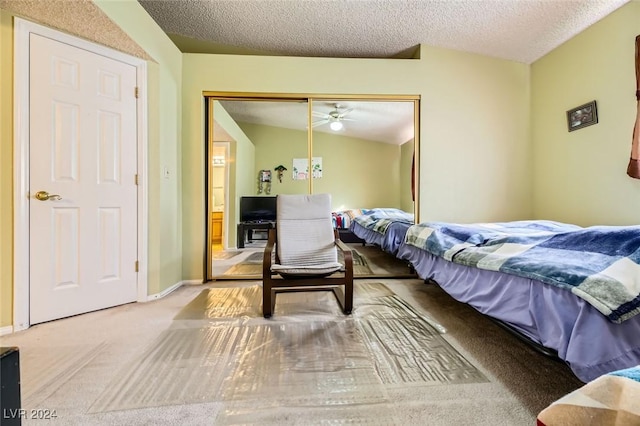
(517, 30)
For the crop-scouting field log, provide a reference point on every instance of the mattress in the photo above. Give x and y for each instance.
(584, 338)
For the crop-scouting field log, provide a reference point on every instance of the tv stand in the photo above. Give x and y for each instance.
(245, 229)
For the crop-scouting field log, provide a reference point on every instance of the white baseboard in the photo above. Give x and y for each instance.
(192, 282)
(6, 330)
(9, 328)
(171, 289)
(164, 292)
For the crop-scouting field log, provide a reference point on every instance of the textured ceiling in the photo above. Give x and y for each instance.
(518, 30)
(82, 18)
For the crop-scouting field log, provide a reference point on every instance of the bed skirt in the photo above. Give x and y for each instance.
(552, 317)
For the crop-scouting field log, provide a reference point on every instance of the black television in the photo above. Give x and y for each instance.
(257, 209)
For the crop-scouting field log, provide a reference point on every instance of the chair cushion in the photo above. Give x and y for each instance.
(316, 271)
(306, 240)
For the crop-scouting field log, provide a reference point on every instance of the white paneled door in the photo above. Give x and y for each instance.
(82, 180)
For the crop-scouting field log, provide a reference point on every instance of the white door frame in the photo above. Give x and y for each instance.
(21, 284)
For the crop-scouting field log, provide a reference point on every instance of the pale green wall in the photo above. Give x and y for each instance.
(275, 146)
(475, 149)
(6, 170)
(164, 148)
(406, 155)
(474, 141)
(357, 173)
(580, 176)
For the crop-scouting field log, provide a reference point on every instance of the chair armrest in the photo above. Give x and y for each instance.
(342, 246)
(347, 252)
(268, 250)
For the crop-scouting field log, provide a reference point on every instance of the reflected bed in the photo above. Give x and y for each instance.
(384, 227)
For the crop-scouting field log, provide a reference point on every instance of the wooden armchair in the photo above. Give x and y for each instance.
(306, 252)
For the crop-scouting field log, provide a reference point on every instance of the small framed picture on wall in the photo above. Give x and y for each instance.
(582, 116)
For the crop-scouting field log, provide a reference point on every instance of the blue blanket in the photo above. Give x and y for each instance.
(600, 264)
(632, 373)
(379, 219)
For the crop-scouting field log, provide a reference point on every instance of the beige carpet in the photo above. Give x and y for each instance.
(195, 358)
(368, 262)
(224, 255)
(308, 355)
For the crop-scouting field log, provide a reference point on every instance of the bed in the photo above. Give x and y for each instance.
(384, 227)
(574, 291)
(342, 220)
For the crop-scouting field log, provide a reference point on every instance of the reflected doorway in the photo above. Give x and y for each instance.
(219, 195)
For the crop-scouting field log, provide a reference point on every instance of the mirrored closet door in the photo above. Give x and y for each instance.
(358, 149)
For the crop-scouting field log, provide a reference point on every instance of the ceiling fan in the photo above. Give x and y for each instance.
(334, 117)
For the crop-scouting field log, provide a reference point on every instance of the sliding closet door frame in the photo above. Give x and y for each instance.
(211, 96)
(310, 143)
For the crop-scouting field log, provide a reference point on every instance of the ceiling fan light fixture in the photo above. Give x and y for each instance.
(335, 125)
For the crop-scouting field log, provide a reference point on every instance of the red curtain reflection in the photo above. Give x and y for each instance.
(633, 169)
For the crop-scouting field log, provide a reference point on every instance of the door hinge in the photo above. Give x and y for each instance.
(137, 266)
(136, 92)
(136, 179)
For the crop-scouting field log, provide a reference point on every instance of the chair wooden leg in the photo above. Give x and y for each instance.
(344, 298)
(348, 297)
(267, 296)
(273, 300)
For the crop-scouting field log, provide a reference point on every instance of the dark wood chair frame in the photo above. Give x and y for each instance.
(273, 283)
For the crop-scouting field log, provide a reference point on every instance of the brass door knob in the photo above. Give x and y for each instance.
(44, 196)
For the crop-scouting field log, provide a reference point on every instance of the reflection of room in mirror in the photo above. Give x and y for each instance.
(218, 176)
(366, 164)
(301, 168)
(218, 197)
(379, 120)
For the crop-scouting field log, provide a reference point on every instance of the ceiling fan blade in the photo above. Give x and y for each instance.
(320, 114)
(320, 122)
(345, 112)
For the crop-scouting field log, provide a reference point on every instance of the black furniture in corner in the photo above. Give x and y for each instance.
(10, 411)
(347, 236)
(245, 230)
